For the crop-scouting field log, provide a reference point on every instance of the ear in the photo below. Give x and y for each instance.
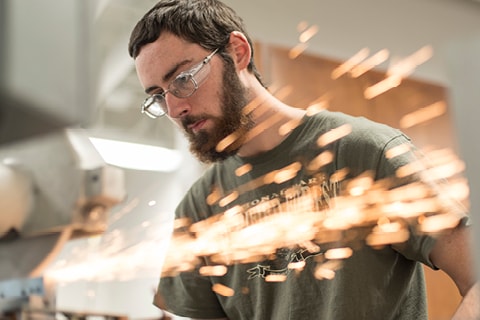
(239, 49)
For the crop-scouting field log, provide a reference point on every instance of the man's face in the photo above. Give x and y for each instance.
(232, 98)
(214, 111)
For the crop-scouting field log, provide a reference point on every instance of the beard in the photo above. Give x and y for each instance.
(203, 144)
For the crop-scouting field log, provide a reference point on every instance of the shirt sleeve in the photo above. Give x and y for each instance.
(419, 245)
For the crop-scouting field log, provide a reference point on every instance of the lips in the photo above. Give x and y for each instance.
(197, 125)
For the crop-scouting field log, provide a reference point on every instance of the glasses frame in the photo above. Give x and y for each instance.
(159, 98)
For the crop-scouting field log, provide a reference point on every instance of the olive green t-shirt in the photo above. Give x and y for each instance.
(374, 283)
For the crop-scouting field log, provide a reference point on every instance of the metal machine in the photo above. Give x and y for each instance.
(53, 188)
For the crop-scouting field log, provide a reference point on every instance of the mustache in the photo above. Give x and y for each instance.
(189, 119)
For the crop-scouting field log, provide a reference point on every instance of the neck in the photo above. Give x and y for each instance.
(273, 122)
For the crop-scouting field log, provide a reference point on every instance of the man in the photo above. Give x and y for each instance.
(195, 60)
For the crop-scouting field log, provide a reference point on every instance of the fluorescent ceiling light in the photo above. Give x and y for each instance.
(137, 156)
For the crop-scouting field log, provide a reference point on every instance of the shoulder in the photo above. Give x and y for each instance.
(353, 134)
(328, 120)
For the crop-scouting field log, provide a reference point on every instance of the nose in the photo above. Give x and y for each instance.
(176, 107)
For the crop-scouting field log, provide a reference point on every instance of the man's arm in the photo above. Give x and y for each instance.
(452, 253)
(470, 306)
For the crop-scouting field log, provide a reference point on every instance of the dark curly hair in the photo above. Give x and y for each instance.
(205, 22)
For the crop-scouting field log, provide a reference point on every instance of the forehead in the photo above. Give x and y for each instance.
(157, 58)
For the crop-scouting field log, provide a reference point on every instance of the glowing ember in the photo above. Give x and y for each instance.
(327, 270)
(398, 150)
(334, 135)
(321, 160)
(316, 108)
(339, 253)
(297, 50)
(288, 127)
(240, 171)
(213, 270)
(231, 197)
(276, 278)
(223, 290)
(382, 86)
(370, 63)
(406, 66)
(350, 63)
(438, 223)
(308, 34)
(297, 265)
(423, 115)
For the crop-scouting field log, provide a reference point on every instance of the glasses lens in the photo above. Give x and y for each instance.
(154, 106)
(183, 86)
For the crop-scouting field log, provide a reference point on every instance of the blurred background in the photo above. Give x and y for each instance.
(70, 94)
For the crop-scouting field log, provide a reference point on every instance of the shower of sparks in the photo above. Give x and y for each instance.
(115, 255)
(306, 34)
(238, 237)
(405, 67)
(385, 212)
(398, 71)
(380, 214)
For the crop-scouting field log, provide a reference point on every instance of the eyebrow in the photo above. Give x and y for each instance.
(169, 74)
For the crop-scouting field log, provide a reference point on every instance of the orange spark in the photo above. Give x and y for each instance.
(321, 160)
(283, 92)
(214, 196)
(370, 63)
(287, 127)
(287, 173)
(302, 26)
(297, 50)
(439, 222)
(339, 253)
(334, 135)
(228, 199)
(218, 270)
(382, 86)
(276, 278)
(316, 108)
(350, 63)
(381, 235)
(297, 265)
(308, 34)
(246, 168)
(227, 141)
(397, 150)
(423, 115)
(223, 290)
(406, 66)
